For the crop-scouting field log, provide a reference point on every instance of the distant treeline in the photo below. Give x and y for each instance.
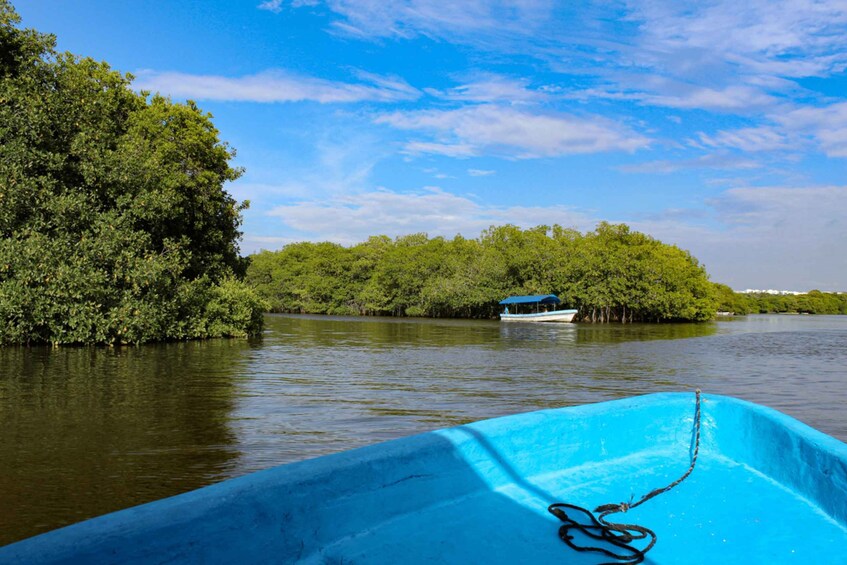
(813, 302)
(609, 274)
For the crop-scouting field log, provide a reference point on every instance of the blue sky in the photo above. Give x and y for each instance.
(717, 126)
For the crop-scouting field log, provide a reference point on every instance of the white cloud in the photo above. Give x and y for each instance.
(459, 150)
(763, 138)
(276, 86)
(719, 55)
(507, 132)
(341, 160)
(810, 209)
(793, 38)
(772, 37)
(768, 237)
(654, 90)
(259, 193)
(793, 129)
(252, 243)
(488, 88)
(828, 126)
(350, 219)
(469, 19)
(271, 6)
(342, 164)
(480, 172)
(729, 98)
(276, 5)
(717, 161)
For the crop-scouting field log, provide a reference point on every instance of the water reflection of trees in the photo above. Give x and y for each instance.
(91, 430)
(541, 333)
(379, 332)
(618, 333)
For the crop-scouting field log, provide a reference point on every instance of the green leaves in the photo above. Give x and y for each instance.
(610, 274)
(114, 224)
(637, 278)
(813, 302)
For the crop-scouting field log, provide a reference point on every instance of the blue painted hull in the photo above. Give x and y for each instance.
(766, 489)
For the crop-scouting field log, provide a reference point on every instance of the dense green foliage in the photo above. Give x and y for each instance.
(610, 274)
(813, 302)
(114, 225)
(733, 302)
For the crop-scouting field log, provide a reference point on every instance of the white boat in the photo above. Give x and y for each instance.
(554, 316)
(542, 303)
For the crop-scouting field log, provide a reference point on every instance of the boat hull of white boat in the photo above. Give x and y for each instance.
(554, 316)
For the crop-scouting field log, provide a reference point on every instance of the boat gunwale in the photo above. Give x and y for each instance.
(188, 507)
(539, 316)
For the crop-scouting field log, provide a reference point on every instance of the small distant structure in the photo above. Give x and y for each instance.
(769, 291)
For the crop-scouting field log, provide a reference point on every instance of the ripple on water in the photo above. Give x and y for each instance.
(88, 431)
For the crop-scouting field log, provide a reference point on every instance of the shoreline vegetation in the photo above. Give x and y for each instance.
(114, 224)
(812, 302)
(611, 274)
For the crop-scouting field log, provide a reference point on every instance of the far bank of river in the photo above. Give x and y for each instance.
(90, 430)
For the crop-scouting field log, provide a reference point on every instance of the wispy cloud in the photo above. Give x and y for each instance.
(827, 125)
(352, 218)
(342, 159)
(489, 88)
(793, 38)
(717, 56)
(648, 89)
(729, 98)
(503, 131)
(767, 237)
(809, 209)
(480, 172)
(718, 161)
(344, 162)
(271, 6)
(721, 55)
(795, 129)
(752, 140)
(442, 19)
(276, 86)
(460, 150)
(253, 243)
(276, 5)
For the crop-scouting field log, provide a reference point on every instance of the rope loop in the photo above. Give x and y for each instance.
(619, 536)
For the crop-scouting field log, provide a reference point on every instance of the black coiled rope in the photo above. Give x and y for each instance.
(618, 536)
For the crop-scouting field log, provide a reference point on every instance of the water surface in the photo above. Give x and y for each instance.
(91, 430)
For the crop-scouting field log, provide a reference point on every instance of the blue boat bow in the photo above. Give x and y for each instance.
(766, 489)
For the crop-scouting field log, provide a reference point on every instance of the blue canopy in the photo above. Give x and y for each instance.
(534, 299)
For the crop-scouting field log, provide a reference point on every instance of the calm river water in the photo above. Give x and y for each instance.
(90, 430)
